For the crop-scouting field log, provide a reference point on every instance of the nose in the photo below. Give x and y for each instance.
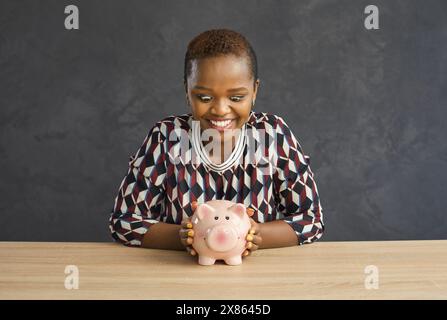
(220, 108)
(222, 238)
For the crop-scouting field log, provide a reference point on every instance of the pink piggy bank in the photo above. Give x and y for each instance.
(220, 228)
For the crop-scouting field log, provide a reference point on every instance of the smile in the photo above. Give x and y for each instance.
(221, 124)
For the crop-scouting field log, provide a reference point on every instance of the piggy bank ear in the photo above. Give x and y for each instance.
(204, 211)
(238, 209)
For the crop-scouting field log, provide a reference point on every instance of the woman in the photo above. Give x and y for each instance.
(163, 184)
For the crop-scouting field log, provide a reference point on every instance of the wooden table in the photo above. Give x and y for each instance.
(322, 270)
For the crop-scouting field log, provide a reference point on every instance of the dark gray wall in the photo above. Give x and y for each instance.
(369, 107)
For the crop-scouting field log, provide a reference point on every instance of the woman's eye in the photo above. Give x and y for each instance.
(216, 218)
(237, 98)
(227, 217)
(204, 98)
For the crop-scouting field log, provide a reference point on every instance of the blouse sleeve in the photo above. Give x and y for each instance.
(140, 199)
(297, 192)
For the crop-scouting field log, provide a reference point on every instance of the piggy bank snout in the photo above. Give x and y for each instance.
(222, 238)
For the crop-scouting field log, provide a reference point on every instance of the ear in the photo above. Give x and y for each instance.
(204, 211)
(238, 209)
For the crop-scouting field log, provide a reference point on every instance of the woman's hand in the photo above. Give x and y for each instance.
(253, 238)
(186, 232)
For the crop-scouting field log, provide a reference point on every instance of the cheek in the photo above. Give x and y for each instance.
(198, 110)
(243, 110)
(201, 234)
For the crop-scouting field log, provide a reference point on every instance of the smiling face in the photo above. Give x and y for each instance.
(220, 91)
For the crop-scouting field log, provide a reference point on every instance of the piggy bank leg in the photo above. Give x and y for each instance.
(206, 261)
(234, 261)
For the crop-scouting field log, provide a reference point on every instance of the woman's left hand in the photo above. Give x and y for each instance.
(253, 237)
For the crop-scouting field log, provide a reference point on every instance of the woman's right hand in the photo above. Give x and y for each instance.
(187, 233)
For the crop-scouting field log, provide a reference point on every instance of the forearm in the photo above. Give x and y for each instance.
(163, 236)
(276, 234)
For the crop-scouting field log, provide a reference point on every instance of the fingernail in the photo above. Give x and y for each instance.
(190, 233)
(252, 231)
(249, 245)
(189, 240)
(250, 237)
(189, 225)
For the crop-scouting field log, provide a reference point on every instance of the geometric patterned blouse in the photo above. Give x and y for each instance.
(266, 171)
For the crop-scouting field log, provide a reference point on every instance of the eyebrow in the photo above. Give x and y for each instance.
(229, 90)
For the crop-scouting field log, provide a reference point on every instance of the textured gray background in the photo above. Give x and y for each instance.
(369, 107)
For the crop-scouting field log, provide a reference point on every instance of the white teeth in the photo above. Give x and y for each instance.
(221, 123)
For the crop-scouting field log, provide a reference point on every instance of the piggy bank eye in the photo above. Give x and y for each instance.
(216, 218)
(227, 217)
